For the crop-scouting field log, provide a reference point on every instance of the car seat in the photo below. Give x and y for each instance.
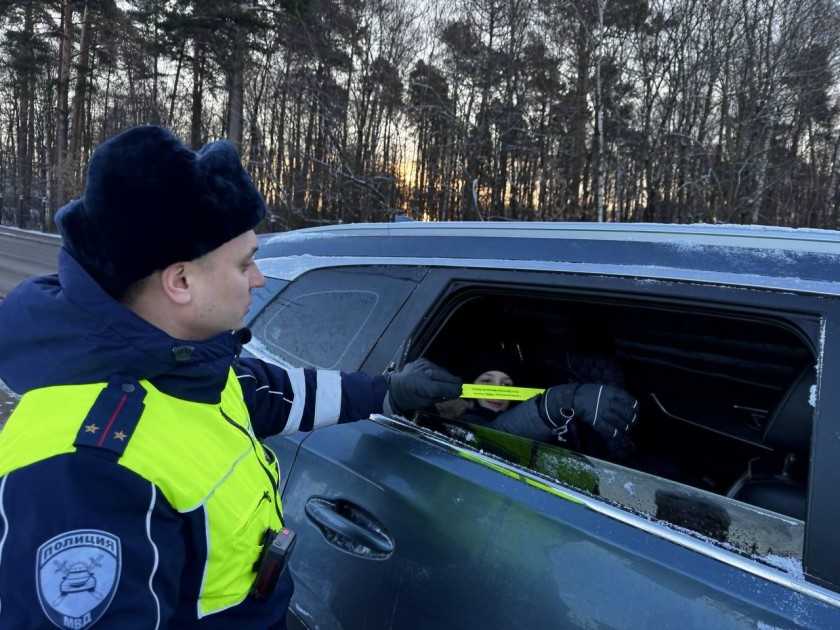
(779, 481)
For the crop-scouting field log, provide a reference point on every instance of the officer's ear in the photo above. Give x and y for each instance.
(175, 283)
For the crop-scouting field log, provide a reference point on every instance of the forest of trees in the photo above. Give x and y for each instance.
(357, 110)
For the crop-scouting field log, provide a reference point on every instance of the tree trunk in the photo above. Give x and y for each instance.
(63, 106)
(25, 128)
(599, 123)
(237, 90)
(78, 122)
(172, 100)
(831, 193)
(575, 193)
(196, 139)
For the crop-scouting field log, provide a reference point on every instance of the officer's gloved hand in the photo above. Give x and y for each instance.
(419, 384)
(608, 410)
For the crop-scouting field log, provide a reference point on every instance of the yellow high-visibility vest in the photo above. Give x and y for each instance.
(200, 456)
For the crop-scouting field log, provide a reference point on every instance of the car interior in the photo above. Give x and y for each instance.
(725, 395)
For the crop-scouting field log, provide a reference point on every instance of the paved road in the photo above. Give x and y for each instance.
(23, 254)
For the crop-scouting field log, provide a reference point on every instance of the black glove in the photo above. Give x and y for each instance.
(525, 420)
(419, 384)
(608, 410)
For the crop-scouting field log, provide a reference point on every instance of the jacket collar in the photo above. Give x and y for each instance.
(65, 330)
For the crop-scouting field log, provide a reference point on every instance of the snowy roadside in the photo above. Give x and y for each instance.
(8, 400)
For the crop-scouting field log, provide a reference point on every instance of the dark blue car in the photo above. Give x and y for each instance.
(724, 517)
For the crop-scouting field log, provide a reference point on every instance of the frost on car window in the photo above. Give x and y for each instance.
(330, 318)
(286, 328)
(744, 528)
(770, 538)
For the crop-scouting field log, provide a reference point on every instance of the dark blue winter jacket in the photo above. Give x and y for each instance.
(134, 490)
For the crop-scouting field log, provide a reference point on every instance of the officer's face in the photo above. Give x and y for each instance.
(222, 283)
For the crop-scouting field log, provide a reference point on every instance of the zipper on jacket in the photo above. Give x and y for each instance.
(274, 483)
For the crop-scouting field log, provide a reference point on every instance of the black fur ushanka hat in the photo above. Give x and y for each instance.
(151, 201)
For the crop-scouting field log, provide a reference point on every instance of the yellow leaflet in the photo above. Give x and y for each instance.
(499, 392)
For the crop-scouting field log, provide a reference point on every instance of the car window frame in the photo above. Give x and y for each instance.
(817, 315)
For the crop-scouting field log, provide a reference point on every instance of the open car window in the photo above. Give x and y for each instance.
(726, 397)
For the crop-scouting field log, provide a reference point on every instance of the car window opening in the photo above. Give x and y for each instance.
(726, 409)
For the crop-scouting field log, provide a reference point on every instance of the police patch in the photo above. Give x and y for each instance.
(78, 573)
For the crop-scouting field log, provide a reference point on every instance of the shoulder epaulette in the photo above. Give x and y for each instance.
(113, 417)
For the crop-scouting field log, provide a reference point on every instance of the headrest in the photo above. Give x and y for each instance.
(790, 425)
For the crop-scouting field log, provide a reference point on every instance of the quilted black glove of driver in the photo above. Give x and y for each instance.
(608, 410)
(419, 384)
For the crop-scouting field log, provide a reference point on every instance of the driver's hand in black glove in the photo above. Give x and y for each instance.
(419, 384)
(608, 410)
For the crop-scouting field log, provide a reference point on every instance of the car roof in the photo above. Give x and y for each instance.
(749, 255)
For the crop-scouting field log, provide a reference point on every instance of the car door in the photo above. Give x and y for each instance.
(400, 529)
(327, 318)
(407, 526)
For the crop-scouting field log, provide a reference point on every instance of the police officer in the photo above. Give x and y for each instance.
(134, 488)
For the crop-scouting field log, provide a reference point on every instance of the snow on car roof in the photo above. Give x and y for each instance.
(756, 256)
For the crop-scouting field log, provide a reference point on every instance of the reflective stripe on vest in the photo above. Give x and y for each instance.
(200, 456)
